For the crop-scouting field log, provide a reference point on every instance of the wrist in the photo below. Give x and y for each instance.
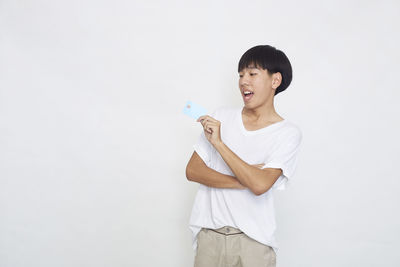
(239, 185)
(218, 145)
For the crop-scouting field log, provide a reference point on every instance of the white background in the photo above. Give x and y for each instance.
(94, 145)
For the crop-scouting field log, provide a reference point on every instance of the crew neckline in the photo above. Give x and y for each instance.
(261, 130)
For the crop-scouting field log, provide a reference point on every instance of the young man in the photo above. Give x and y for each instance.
(240, 157)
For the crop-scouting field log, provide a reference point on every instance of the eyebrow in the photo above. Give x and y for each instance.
(252, 67)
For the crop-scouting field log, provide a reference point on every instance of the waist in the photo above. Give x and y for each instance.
(227, 230)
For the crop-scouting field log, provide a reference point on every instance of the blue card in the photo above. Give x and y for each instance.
(194, 110)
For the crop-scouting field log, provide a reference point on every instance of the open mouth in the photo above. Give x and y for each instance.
(247, 95)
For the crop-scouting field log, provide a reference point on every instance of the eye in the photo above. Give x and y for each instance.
(240, 75)
(253, 74)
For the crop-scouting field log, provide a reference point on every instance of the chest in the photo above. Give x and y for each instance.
(250, 148)
(252, 126)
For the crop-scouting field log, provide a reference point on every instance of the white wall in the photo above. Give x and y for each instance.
(94, 145)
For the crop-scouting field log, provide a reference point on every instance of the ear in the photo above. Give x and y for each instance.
(276, 80)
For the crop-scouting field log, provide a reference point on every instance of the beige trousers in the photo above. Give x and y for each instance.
(230, 247)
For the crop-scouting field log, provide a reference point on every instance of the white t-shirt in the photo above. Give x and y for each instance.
(276, 145)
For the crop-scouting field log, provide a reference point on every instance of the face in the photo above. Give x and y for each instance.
(259, 83)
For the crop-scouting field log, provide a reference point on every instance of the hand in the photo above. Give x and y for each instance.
(212, 129)
(240, 186)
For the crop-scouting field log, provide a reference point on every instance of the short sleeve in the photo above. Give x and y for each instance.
(203, 147)
(285, 157)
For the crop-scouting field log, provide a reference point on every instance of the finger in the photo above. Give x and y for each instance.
(208, 128)
(210, 125)
(200, 118)
(205, 117)
(203, 120)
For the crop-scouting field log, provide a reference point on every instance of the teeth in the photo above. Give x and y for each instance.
(247, 92)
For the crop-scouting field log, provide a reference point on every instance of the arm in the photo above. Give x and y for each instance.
(198, 171)
(257, 180)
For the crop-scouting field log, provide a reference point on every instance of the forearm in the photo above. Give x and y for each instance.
(248, 175)
(213, 178)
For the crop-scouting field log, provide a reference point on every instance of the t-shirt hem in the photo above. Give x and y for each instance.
(200, 152)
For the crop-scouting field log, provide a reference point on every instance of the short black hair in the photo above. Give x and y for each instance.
(269, 58)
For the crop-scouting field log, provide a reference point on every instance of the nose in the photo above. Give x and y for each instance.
(243, 81)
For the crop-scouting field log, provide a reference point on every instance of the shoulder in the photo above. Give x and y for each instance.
(292, 131)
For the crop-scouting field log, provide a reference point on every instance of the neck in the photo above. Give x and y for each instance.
(261, 113)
